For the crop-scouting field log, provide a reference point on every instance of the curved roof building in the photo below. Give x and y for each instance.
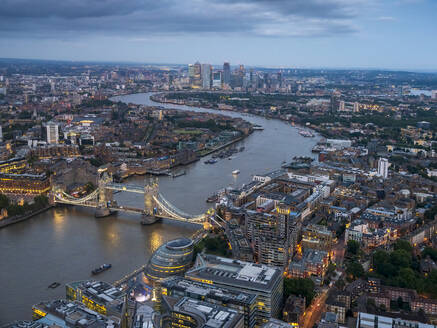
(171, 258)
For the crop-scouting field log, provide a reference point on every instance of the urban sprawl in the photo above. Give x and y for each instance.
(345, 238)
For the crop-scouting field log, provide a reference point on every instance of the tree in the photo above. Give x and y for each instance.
(430, 214)
(355, 270)
(4, 201)
(353, 247)
(407, 279)
(331, 269)
(403, 244)
(400, 258)
(431, 252)
(299, 287)
(41, 201)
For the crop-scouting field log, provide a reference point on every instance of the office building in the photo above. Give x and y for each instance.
(206, 76)
(188, 312)
(241, 248)
(24, 324)
(316, 236)
(171, 258)
(264, 281)
(268, 234)
(1, 134)
(367, 320)
(194, 75)
(293, 311)
(338, 303)
(275, 323)
(227, 74)
(52, 133)
(27, 184)
(62, 313)
(98, 296)
(217, 80)
(242, 302)
(145, 317)
(13, 165)
(383, 167)
(313, 264)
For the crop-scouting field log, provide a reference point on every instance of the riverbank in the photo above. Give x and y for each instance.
(167, 172)
(157, 98)
(8, 221)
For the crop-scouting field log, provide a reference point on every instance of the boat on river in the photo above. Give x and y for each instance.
(306, 133)
(236, 172)
(54, 285)
(101, 268)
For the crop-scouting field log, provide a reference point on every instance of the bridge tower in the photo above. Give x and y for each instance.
(105, 197)
(151, 191)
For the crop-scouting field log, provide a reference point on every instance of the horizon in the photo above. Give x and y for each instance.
(133, 63)
(389, 34)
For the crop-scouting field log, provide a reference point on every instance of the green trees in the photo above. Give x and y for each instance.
(389, 264)
(352, 247)
(430, 214)
(299, 287)
(214, 245)
(40, 202)
(431, 252)
(354, 270)
(403, 244)
(400, 268)
(4, 201)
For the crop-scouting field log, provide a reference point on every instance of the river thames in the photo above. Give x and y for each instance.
(66, 243)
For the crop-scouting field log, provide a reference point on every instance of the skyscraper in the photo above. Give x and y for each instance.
(52, 133)
(217, 80)
(227, 74)
(206, 76)
(383, 167)
(195, 77)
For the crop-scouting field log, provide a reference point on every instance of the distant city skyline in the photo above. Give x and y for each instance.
(387, 34)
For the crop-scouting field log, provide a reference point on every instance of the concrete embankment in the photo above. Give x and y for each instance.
(13, 220)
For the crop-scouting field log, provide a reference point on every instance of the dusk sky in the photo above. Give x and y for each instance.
(395, 34)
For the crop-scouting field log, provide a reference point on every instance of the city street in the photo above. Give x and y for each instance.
(314, 312)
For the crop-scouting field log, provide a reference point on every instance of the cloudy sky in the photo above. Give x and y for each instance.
(292, 33)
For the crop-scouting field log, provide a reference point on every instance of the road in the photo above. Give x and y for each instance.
(314, 312)
(338, 251)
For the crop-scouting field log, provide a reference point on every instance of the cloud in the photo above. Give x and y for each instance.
(386, 18)
(148, 18)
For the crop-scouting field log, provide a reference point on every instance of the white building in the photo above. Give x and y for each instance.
(434, 94)
(52, 133)
(206, 76)
(383, 167)
(366, 320)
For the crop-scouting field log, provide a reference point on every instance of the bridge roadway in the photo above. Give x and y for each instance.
(125, 187)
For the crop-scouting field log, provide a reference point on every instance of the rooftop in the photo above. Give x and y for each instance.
(212, 315)
(207, 290)
(235, 273)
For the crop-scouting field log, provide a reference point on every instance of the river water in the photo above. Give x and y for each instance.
(66, 243)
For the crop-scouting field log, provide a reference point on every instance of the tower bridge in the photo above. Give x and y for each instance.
(155, 205)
